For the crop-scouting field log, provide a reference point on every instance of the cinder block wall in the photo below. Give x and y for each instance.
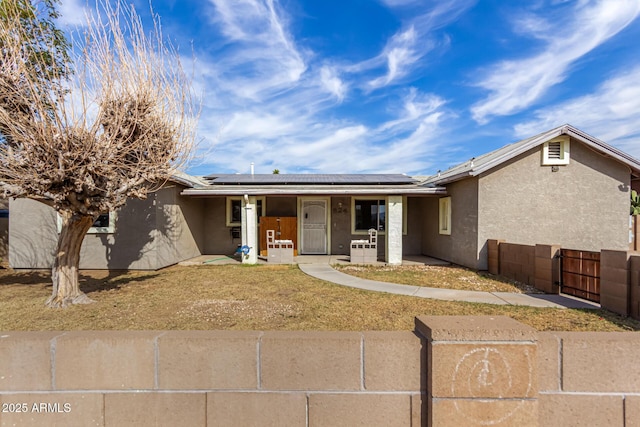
(589, 379)
(514, 261)
(211, 378)
(517, 262)
(452, 371)
(634, 283)
(619, 272)
(495, 371)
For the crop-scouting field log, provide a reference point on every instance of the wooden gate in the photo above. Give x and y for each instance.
(580, 274)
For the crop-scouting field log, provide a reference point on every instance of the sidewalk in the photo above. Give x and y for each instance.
(327, 273)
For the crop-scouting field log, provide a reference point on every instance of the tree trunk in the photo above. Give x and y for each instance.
(64, 274)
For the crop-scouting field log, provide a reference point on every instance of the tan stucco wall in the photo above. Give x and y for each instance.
(217, 236)
(149, 234)
(584, 205)
(32, 234)
(461, 246)
(341, 226)
(179, 226)
(411, 242)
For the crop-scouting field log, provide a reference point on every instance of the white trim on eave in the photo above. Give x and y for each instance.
(604, 148)
(594, 143)
(516, 152)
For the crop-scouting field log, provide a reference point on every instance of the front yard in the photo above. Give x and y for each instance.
(436, 276)
(263, 297)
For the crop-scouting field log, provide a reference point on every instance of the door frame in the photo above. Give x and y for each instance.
(301, 201)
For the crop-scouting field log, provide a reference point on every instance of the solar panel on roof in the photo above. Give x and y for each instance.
(326, 179)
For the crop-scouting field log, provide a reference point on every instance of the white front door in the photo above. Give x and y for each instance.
(314, 227)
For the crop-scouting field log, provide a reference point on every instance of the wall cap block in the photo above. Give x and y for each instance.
(473, 328)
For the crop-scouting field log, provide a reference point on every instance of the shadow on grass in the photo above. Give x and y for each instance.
(91, 282)
(625, 322)
(114, 280)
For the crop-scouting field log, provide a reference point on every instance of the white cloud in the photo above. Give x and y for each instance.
(73, 13)
(400, 54)
(611, 113)
(269, 101)
(281, 136)
(406, 49)
(516, 84)
(262, 57)
(332, 83)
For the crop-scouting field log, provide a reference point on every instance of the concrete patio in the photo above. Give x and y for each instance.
(308, 259)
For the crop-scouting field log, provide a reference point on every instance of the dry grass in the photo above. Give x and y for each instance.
(435, 276)
(248, 298)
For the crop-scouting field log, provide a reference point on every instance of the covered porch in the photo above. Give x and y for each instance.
(318, 214)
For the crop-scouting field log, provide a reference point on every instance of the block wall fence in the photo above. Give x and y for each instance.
(450, 371)
(539, 266)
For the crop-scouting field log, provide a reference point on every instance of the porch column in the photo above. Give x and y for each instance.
(394, 230)
(250, 229)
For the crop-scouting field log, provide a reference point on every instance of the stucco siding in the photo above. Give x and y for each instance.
(411, 242)
(32, 234)
(132, 245)
(431, 244)
(341, 226)
(149, 234)
(460, 247)
(178, 227)
(584, 205)
(217, 236)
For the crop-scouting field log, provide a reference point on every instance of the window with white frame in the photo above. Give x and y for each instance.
(368, 213)
(234, 210)
(444, 215)
(105, 224)
(556, 151)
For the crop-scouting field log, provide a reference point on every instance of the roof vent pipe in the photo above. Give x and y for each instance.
(251, 168)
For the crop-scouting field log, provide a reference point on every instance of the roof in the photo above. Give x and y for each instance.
(481, 164)
(312, 184)
(310, 179)
(186, 179)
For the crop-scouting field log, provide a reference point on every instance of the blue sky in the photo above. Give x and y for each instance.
(398, 86)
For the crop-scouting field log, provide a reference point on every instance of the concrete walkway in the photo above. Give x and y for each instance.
(325, 272)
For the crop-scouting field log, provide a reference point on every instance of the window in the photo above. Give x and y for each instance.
(556, 151)
(234, 210)
(445, 215)
(102, 221)
(367, 214)
(106, 223)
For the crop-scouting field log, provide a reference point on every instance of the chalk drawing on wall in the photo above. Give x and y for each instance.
(485, 374)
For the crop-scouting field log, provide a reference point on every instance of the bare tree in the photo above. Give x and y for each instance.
(84, 135)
